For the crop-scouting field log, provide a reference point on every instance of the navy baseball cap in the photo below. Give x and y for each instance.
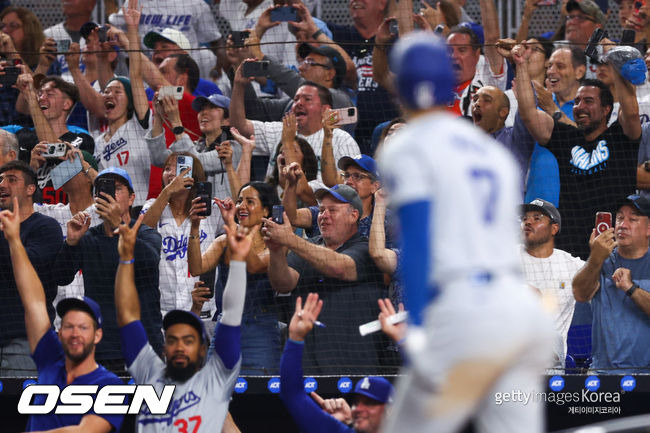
(640, 203)
(117, 172)
(547, 208)
(364, 162)
(342, 193)
(335, 57)
(217, 100)
(376, 388)
(187, 317)
(424, 76)
(84, 304)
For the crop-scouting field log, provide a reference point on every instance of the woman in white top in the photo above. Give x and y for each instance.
(170, 215)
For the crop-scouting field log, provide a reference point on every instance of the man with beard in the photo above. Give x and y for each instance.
(42, 238)
(547, 269)
(202, 390)
(597, 163)
(68, 359)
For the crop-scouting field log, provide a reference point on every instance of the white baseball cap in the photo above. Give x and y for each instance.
(167, 35)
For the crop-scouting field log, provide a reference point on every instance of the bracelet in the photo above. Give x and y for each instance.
(193, 236)
(87, 170)
(629, 292)
(127, 262)
(317, 33)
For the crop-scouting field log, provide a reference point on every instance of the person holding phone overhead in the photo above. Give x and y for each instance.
(94, 250)
(260, 337)
(170, 215)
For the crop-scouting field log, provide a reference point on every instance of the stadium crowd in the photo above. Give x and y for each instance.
(173, 168)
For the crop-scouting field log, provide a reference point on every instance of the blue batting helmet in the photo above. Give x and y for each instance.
(424, 75)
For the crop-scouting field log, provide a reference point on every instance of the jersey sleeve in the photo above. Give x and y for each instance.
(48, 350)
(206, 28)
(263, 137)
(142, 361)
(343, 145)
(309, 417)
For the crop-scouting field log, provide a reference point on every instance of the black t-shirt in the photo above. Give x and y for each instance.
(374, 103)
(346, 305)
(594, 176)
(28, 139)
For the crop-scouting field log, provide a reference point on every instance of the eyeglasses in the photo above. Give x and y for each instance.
(580, 18)
(312, 62)
(539, 50)
(11, 26)
(356, 176)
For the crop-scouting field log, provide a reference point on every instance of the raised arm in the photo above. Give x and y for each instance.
(127, 302)
(201, 263)
(29, 285)
(490, 21)
(628, 117)
(132, 18)
(384, 258)
(380, 71)
(237, 108)
(90, 98)
(25, 84)
(244, 166)
(529, 9)
(180, 182)
(329, 171)
(297, 217)
(586, 281)
(538, 123)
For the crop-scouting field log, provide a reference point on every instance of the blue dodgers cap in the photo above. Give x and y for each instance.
(364, 162)
(642, 204)
(217, 100)
(424, 76)
(376, 388)
(117, 172)
(342, 193)
(187, 317)
(85, 304)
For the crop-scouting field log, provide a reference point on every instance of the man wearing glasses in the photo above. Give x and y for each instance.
(582, 19)
(323, 65)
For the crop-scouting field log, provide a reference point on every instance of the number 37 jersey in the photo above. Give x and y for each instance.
(471, 184)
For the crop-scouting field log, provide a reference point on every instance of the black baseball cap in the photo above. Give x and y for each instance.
(335, 57)
(187, 317)
(547, 208)
(84, 304)
(640, 203)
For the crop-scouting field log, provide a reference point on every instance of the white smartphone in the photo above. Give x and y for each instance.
(183, 162)
(174, 91)
(346, 115)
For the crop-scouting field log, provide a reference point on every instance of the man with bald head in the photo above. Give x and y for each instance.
(490, 108)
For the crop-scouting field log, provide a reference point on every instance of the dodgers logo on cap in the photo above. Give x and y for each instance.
(274, 385)
(365, 384)
(628, 383)
(592, 383)
(556, 383)
(344, 385)
(310, 384)
(242, 385)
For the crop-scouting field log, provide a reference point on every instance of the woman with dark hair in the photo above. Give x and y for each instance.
(127, 114)
(25, 32)
(308, 162)
(260, 337)
(170, 215)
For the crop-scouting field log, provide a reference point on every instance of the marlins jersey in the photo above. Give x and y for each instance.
(176, 284)
(128, 150)
(198, 405)
(466, 177)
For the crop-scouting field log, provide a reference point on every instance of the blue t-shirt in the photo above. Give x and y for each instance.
(621, 330)
(50, 361)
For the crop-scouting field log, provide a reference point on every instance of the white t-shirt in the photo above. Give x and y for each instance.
(175, 282)
(61, 213)
(127, 149)
(553, 276)
(269, 134)
(483, 77)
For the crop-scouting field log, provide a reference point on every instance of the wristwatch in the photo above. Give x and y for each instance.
(557, 115)
(631, 290)
(178, 130)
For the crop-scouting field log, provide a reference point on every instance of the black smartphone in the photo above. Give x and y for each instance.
(284, 13)
(255, 69)
(10, 76)
(277, 214)
(393, 27)
(238, 38)
(204, 191)
(592, 46)
(628, 37)
(106, 185)
(102, 34)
